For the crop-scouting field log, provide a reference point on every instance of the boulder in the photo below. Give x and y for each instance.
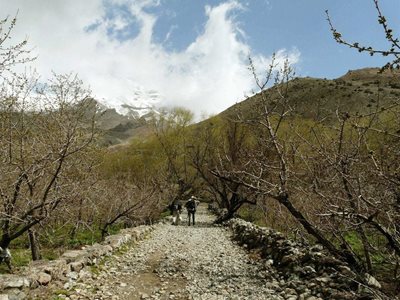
(10, 281)
(116, 241)
(97, 250)
(75, 255)
(85, 274)
(56, 268)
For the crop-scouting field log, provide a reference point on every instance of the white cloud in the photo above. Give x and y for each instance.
(208, 76)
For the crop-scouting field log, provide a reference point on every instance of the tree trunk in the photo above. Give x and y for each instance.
(34, 245)
(225, 217)
(311, 229)
(5, 241)
(72, 233)
(78, 221)
(104, 230)
(364, 239)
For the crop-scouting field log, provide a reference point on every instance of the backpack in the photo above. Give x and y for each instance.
(175, 206)
(191, 205)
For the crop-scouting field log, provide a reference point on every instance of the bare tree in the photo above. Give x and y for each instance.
(45, 132)
(11, 54)
(393, 49)
(276, 169)
(123, 200)
(374, 192)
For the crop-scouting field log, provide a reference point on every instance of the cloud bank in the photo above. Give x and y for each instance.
(111, 45)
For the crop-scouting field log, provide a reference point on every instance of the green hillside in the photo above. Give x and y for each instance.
(356, 92)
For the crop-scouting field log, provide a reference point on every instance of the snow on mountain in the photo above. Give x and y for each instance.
(140, 103)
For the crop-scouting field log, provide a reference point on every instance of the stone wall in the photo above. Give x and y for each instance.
(69, 265)
(309, 270)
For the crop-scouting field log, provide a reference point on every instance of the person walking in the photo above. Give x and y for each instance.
(176, 210)
(191, 206)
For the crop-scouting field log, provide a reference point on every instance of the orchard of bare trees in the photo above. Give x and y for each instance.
(55, 190)
(328, 173)
(333, 177)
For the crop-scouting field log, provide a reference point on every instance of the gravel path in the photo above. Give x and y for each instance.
(179, 262)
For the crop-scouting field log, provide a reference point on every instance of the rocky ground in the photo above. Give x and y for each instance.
(180, 262)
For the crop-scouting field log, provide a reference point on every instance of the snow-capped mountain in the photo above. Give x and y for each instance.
(125, 117)
(142, 102)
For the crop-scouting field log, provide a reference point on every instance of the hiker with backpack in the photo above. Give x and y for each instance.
(176, 210)
(191, 206)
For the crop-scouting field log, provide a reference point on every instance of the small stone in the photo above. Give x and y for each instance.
(323, 279)
(44, 278)
(346, 271)
(309, 270)
(72, 275)
(76, 266)
(372, 282)
(289, 292)
(303, 296)
(85, 274)
(269, 262)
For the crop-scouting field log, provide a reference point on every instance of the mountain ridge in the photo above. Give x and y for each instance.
(355, 92)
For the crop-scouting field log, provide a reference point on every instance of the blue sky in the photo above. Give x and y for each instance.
(193, 53)
(276, 24)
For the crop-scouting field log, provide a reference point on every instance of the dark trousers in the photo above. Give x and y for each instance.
(191, 216)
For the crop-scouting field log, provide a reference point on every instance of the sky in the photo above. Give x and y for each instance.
(193, 53)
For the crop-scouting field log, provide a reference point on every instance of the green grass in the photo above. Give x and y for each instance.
(252, 214)
(60, 292)
(53, 244)
(165, 214)
(61, 237)
(355, 242)
(95, 269)
(20, 258)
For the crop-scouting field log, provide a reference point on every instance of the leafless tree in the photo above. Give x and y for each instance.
(124, 200)
(393, 49)
(45, 132)
(273, 171)
(11, 54)
(373, 190)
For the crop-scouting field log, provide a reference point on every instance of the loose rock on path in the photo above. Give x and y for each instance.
(180, 262)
